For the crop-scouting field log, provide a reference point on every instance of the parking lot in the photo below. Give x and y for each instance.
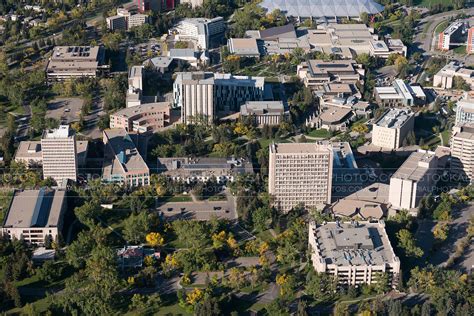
(198, 210)
(152, 48)
(65, 110)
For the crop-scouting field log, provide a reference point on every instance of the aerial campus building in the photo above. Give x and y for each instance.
(323, 8)
(392, 128)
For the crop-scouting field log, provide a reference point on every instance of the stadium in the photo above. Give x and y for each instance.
(323, 8)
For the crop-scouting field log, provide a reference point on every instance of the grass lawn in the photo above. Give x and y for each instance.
(320, 133)
(265, 235)
(446, 135)
(219, 197)
(40, 306)
(441, 27)
(5, 198)
(460, 50)
(428, 3)
(176, 198)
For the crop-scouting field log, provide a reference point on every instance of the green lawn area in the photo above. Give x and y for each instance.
(176, 198)
(219, 197)
(320, 133)
(460, 50)
(5, 198)
(428, 3)
(440, 27)
(40, 306)
(446, 135)
(265, 235)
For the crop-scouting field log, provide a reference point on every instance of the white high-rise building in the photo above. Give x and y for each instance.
(199, 30)
(59, 154)
(464, 111)
(392, 128)
(462, 150)
(300, 173)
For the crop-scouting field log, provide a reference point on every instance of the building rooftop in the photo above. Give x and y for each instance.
(142, 109)
(218, 78)
(453, 27)
(35, 208)
(278, 32)
(75, 58)
(335, 114)
(299, 148)
(32, 149)
(416, 166)
(395, 118)
(63, 131)
(317, 66)
(244, 46)
(353, 244)
(262, 108)
(207, 166)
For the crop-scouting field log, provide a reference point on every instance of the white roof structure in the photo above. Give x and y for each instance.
(323, 8)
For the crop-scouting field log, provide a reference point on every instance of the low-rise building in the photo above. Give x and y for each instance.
(142, 118)
(71, 62)
(35, 214)
(300, 174)
(193, 170)
(30, 153)
(400, 94)
(316, 73)
(392, 128)
(122, 161)
(444, 78)
(413, 180)
(462, 151)
(264, 112)
(335, 118)
(354, 253)
(245, 47)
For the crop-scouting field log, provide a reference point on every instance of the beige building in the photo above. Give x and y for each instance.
(462, 150)
(316, 73)
(413, 180)
(142, 118)
(444, 78)
(355, 253)
(35, 214)
(58, 147)
(264, 112)
(392, 128)
(30, 153)
(71, 62)
(122, 162)
(300, 173)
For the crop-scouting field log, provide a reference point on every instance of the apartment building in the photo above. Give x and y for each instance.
(155, 5)
(116, 22)
(316, 73)
(31, 154)
(399, 94)
(462, 151)
(300, 174)
(71, 62)
(465, 111)
(199, 31)
(264, 112)
(451, 36)
(392, 128)
(58, 147)
(354, 253)
(201, 95)
(470, 41)
(413, 180)
(149, 117)
(122, 161)
(445, 77)
(127, 17)
(34, 214)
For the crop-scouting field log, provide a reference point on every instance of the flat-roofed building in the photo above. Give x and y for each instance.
(462, 150)
(122, 161)
(199, 30)
(70, 62)
(116, 22)
(245, 47)
(316, 73)
(444, 78)
(202, 169)
(58, 147)
(452, 34)
(300, 174)
(335, 118)
(142, 118)
(201, 95)
(470, 41)
(30, 153)
(413, 180)
(370, 202)
(264, 112)
(399, 94)
(465, 111)
(135, 86)
(392, 128)
(354, 253)
(34, 214)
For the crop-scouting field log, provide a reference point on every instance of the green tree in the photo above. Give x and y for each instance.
(407, 242)
(136, 227)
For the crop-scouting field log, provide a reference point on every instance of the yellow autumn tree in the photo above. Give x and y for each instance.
(195, 296)
(155, 239)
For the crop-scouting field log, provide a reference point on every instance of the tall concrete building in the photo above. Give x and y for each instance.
(354, 253)
(199, 30)
(464, 111)
(470, 41)
(413, 180)
(462, 150)
(300, 173)
(451, 35)
(201, 95)
(58, 148)
(392, 128)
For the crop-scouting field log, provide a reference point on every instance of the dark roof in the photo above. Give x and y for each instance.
(285, 31)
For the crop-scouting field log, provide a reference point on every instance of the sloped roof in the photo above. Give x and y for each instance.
(321, 8)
